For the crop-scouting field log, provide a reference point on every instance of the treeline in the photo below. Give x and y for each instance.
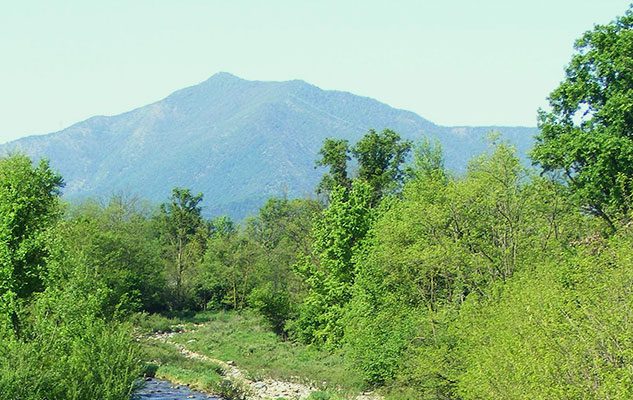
(489, 285)
(172, 260)
(486, 285)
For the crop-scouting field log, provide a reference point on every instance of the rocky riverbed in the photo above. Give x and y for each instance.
(262, 389)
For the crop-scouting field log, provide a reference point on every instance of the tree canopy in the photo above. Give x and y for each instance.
(587, 135)
(380, 157)
(28, 208)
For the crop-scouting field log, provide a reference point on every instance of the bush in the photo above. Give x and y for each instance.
(274, 305)
(90, 360)
(67, 349)
(562, 330)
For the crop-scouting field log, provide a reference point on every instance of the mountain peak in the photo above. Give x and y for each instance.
(224, 76)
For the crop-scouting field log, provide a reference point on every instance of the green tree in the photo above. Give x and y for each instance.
(335, 155)
(282, 230)
(381, 156)
(70, 348)
(184, 234)
(587, 135)
(222, 225)
(117, 240)
(561, 329)
(446, 239)
(329, 270)
(428, 160)
(212, 285)
(230, 270)
(29, 207)
(54, 340)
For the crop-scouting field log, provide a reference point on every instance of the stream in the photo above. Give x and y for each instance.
(156, 389)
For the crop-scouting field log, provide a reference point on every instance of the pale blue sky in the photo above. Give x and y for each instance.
(454, 62)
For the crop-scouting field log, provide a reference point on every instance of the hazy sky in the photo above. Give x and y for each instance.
(454, 62)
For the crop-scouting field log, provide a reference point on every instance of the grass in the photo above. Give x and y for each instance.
(321, 395)
(155, 323)
(247, 340)
(176, 368)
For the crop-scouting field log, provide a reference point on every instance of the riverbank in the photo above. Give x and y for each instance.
(238, 357)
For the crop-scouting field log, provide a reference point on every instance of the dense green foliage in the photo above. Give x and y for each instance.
(379, 155)
(561, 329)
(56, 339)
(253, 266)
(329, 270)
(335, 155)
(28, 209)
(117, 240)
(447, 242)
(586, 135)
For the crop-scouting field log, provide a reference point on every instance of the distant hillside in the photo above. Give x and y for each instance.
(237, 141)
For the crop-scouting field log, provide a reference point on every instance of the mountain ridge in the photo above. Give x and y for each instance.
(237, 141)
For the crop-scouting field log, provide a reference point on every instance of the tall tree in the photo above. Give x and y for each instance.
(184, 233)
(230, 269)
(29, 197)
(282, 230)
(587, 136)
(380, 157)
(330, 271)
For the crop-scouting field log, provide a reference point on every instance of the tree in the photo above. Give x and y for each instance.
(222, 225)
(29, 208)
(282, 231)
(587, 136)
(117, 243)
(380, 157)
(329, 272)
(428, 160)
(54, 340)
(184, 233)
(446, 239)
(230, 270)
(334, 154)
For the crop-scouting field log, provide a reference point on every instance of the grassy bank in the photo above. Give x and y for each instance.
(246, 340)
(164, 361)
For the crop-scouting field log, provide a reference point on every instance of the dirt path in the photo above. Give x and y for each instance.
(253, 390)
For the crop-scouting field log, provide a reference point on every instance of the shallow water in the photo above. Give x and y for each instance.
(156, 389)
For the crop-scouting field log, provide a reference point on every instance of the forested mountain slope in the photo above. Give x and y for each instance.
(235, 140)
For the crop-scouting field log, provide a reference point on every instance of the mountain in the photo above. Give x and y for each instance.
(237, 141)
